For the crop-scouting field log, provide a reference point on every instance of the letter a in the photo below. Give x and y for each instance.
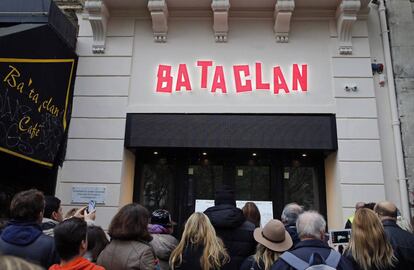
(219, 81)
(302, 79)
(182, 78)
(279, 81)
(164, 79)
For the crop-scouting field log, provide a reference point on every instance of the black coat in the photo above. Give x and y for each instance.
(291, 229)
(26, 240)
(356, 266)
(304, 249)
(191, 258)
(251, 264)
(235, 231)
(402, 242)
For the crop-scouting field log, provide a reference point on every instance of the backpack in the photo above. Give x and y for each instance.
(316, 262)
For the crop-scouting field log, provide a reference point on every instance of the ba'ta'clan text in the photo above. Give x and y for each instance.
(243, 78)
(14, 80)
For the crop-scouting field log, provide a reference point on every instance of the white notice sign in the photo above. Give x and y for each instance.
(83, 194)
(265, 208)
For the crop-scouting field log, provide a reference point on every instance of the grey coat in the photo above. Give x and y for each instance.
(124, 255)
(163, 245)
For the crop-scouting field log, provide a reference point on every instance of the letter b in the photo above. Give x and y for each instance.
(164, 79)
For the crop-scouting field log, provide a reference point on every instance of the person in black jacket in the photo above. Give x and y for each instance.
(401, 240)
(23, 236)
(289, 217)
(52, 215)
(232, 227)
(311, 229)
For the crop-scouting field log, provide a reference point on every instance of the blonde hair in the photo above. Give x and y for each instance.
(12, 263)
(267, 256)
(198, 231)
(369, 245)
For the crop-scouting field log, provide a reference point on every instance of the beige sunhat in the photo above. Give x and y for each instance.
(273, 236)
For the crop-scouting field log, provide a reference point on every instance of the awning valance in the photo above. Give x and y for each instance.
(250, 131)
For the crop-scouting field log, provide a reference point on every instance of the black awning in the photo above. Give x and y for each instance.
(37, 73)
(13, 12)
(251, 131)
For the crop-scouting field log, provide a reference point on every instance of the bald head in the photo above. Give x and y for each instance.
(386, 210)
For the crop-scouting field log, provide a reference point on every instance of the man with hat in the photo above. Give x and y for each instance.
(163, 242)
(232, 227)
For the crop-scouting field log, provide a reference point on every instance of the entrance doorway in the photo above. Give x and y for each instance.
(174, 178)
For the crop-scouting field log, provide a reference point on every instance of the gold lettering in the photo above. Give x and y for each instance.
(11, 77)
(34, 97)
(26, 126)
(54, 110)
(20, 87)
(24, 120)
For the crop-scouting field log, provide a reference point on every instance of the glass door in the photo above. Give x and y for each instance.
(174, 179)
(157, 186)
(252, 182)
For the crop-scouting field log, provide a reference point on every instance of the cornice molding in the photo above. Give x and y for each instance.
(159, 15)
(98, 16)
(220, 16)
(299, 14)
(346, 15)
(283, 14)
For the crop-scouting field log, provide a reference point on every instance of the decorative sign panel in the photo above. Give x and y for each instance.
(34, 107)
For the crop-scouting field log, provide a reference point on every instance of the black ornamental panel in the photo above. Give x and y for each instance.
(37, 73)
(250, 131)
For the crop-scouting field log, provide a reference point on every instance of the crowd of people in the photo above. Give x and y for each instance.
(38, 236)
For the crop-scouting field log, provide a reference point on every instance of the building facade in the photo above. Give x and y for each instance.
(401, 24)
(275, 98)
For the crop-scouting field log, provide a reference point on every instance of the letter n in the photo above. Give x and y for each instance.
(301, 78)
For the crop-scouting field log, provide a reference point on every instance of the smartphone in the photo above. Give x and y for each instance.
(91, 206)
(340, 236)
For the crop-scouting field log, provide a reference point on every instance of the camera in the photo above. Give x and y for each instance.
(339, 237)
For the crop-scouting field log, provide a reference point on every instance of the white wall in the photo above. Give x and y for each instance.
(359, 166)
(123, 80)
(95, 154)
(250, 40)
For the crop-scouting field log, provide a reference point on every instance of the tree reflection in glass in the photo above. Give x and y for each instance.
(301, 185)
(158, 185)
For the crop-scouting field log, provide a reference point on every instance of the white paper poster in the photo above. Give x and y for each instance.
(265, 208)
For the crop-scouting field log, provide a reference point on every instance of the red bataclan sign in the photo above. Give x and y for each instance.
(241, 76)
